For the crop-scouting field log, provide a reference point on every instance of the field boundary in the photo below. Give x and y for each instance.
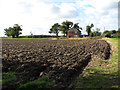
(100, 73)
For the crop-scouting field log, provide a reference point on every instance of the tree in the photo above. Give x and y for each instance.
(118, 32)
(97, 32)
(17, 30)
(91, 34)
(55, 29)
(77, 27)
(88, 29)
(31, 34)
(8, 31)
(107, 33)
(66, 26)
(113, 31)
(63, 29)
(14, 31)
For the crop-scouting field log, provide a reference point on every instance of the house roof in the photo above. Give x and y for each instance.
(73, 30)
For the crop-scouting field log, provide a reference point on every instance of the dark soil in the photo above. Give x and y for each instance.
(61, 60)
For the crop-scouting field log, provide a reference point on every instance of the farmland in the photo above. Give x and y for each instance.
(59, 60)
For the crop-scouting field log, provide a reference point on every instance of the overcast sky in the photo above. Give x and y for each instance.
(37, 16)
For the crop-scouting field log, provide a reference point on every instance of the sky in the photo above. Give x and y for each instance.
(38, 16)
(119, 14)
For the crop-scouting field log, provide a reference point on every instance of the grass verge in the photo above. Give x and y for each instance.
(101, 73)
(8, 77)
(43, 82)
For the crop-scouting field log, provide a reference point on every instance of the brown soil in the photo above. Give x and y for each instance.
(61, 60)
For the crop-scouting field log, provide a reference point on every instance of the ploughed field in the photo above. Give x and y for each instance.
(61, 60)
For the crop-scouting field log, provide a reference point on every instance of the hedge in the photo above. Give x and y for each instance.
(38, 36)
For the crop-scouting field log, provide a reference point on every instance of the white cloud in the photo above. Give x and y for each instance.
(68, 11)
(39, 15)
(103, 13)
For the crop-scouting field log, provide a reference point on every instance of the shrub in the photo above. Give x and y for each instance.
(63, 37)
(114, 35)
(38, 36)
(91, 34)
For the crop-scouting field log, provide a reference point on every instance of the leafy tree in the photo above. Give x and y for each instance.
(31, 33)
(8, 31)
(108, 33)
(118, 32)
(66, 26)
(63, 29)
(14, 31)
(55, 29)
(88, 29)
(91, 34)
(113, 31)
(105, 32)
(77, 27)
(17, 30)
(97, 32)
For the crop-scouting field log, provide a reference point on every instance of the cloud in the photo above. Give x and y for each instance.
(40, 15)
(119, 14)
(68, 11)
(27, 6)
(55, 9)
(105, 14)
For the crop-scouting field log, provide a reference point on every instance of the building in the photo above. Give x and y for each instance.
(73, 32)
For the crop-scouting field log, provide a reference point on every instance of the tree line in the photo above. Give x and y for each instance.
(67, 25)
(64, 27)
(111, 33)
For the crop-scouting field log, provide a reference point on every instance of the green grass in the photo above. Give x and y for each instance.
(113, 40)
(8, 77)
(43, 82)
(102, 76)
